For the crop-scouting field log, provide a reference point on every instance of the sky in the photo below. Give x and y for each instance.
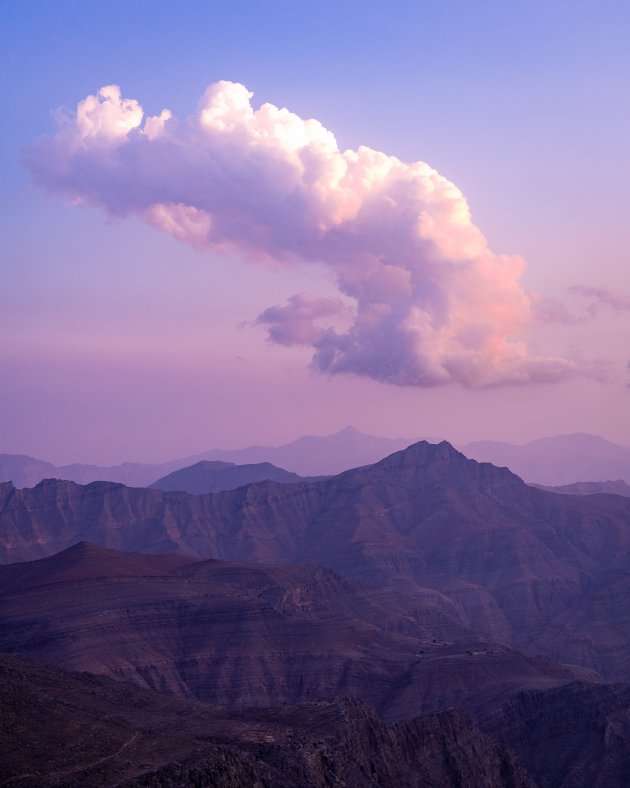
(409, 217)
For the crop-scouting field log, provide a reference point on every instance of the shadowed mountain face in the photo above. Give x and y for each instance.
(86, 730)
(562, 460)
(510, 562)
(210, 477)
(83, 730)
(573, 736)
(247, 634)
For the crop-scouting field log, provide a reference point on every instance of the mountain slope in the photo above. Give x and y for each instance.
(508, 557)
(24, 471)
(83, 730)
(570, 736)
(210, 477)
(246, 634)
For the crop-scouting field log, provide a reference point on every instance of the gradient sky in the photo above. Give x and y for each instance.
(119, 342)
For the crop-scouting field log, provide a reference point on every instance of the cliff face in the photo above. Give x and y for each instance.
(570, 736)
(509, 560)
(242, 634)
(62, 729)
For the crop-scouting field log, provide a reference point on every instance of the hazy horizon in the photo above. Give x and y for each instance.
(62, 460)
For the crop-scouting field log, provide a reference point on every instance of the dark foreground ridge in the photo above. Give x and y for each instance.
(82, 730)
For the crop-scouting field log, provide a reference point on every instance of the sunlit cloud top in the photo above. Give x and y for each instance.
(431, 303)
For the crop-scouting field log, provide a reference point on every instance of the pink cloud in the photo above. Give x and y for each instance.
(432, 303)
(294, 324)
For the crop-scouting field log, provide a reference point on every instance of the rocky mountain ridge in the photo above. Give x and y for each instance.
(83, 730)
(247, 634)
(513, 563)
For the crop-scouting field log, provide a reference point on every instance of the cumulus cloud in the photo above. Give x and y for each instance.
(294, 324)
(432, 303)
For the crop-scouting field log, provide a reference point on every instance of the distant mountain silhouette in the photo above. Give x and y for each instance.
(559, 461)
(618, 487)
(309, 456)
(209, 477)
(562, 460)
(26, 471)
(515, 564)
(316, 455)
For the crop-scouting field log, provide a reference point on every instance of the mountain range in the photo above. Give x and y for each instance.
(466, 540)
(561, 460)
(425, 619)
(307, 456)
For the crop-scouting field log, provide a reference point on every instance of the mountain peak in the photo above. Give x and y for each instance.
(423, 465)
(348, 430)
(423, 453)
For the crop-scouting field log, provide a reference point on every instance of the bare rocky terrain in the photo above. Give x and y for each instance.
(423, 583)
(506, 560)
(247, 634)
(78, 729)
(84, 730)
(572, 736)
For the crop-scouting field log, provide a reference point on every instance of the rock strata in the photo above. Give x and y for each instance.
(82, 730)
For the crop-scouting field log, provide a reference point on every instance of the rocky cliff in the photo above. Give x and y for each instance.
(82, 730)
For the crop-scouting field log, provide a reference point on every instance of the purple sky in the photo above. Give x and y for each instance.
(233, 272)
